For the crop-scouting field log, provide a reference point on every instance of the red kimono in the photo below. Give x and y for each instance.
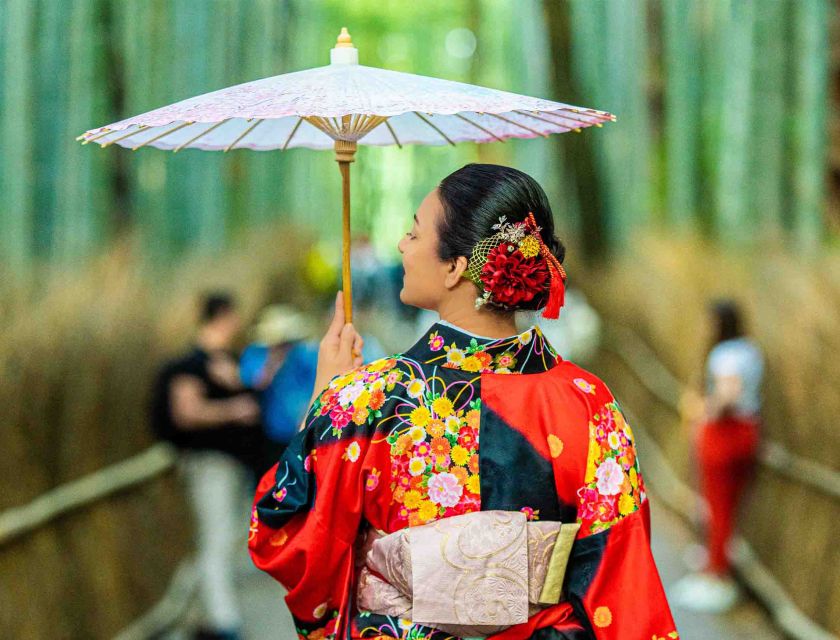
(459, 424)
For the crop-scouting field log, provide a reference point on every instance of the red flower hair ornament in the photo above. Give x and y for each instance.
(514, 266)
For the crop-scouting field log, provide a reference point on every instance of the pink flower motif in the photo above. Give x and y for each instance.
(444, 489)
(341, 417)
(588, 503)
(280, 494)
(435, 342)
(584, 386)
(531, 513)
(372, 481)
(307, 463)
(600, 433)
(610, 477)
(605, 508)
(422, 449)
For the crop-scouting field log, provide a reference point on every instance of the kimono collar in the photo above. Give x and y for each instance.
(448, 346)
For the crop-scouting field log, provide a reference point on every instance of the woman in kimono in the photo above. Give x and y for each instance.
(475, 420)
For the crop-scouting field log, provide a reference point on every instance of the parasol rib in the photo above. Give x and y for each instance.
(203, 133)
(567, 117)
(94, 138)
(162, 135)
(140, 127)
(393, 134)
(553, 122)
(478, 126)
(518, 124)
(445, 137)
(244, 133)
(291, 134)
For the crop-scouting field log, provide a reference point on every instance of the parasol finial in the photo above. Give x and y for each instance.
(344, 52)
(344, 38)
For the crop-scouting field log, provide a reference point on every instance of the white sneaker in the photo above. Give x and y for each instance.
(705, 593)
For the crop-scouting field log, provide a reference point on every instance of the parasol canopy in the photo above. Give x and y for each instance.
(339, 106)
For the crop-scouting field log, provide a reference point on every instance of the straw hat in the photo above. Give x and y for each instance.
(279, 323)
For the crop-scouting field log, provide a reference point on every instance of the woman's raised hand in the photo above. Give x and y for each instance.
(341, 347)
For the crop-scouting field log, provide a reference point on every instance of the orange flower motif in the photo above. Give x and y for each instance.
(441, 446)
(460, 473)
(360, 416)
(404, 443)
(473, 418)
(473, 464)
(436, 428)
(377, 399)
(278, 539)
(484, 358)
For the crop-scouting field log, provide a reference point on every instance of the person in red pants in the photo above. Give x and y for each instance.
(727, 442)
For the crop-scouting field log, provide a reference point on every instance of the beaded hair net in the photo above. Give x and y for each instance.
(522, 238)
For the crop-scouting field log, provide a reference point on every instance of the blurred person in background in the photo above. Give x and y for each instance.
(280, 365)
(727, 419)
(200, 406)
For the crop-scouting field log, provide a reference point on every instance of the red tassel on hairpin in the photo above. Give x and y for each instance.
(556, 272)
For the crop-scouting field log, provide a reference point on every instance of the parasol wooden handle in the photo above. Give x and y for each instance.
(345, 152)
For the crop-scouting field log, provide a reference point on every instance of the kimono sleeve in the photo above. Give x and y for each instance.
(307, 512)
(613, 583)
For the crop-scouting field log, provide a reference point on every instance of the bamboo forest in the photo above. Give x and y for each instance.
(718, 181)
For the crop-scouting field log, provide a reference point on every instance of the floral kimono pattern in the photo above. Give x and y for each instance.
(458, 424)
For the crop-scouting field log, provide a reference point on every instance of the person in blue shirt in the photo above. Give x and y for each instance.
(281, 365)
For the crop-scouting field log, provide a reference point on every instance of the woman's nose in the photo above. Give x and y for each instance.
(400, 244)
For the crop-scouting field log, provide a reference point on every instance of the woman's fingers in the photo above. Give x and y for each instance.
(348, 337)
(338, 316)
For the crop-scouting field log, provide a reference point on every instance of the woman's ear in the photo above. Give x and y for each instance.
(455, 271)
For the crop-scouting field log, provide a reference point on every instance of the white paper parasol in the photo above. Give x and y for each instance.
(340, 106)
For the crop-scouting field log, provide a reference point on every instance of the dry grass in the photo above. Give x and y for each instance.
(78, 351)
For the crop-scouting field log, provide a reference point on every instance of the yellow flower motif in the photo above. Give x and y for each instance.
(442, 407)
(634, 478)
(353, 451)
(362, 401)
(417, 465)
(626, 504)
(412, 499)
(555, 445)
(427, 510)
(343, 381)
(529, 246)
(416, 388)
(417, 434)
(453, 424)
(474, 484)
(471, 363)
(420, 417)
(525, 337)
(592, 457)
(459, 455)
(454, 356)
(602, 617)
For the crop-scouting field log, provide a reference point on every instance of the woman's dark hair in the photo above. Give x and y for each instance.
(727, 318)
(474, 198)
